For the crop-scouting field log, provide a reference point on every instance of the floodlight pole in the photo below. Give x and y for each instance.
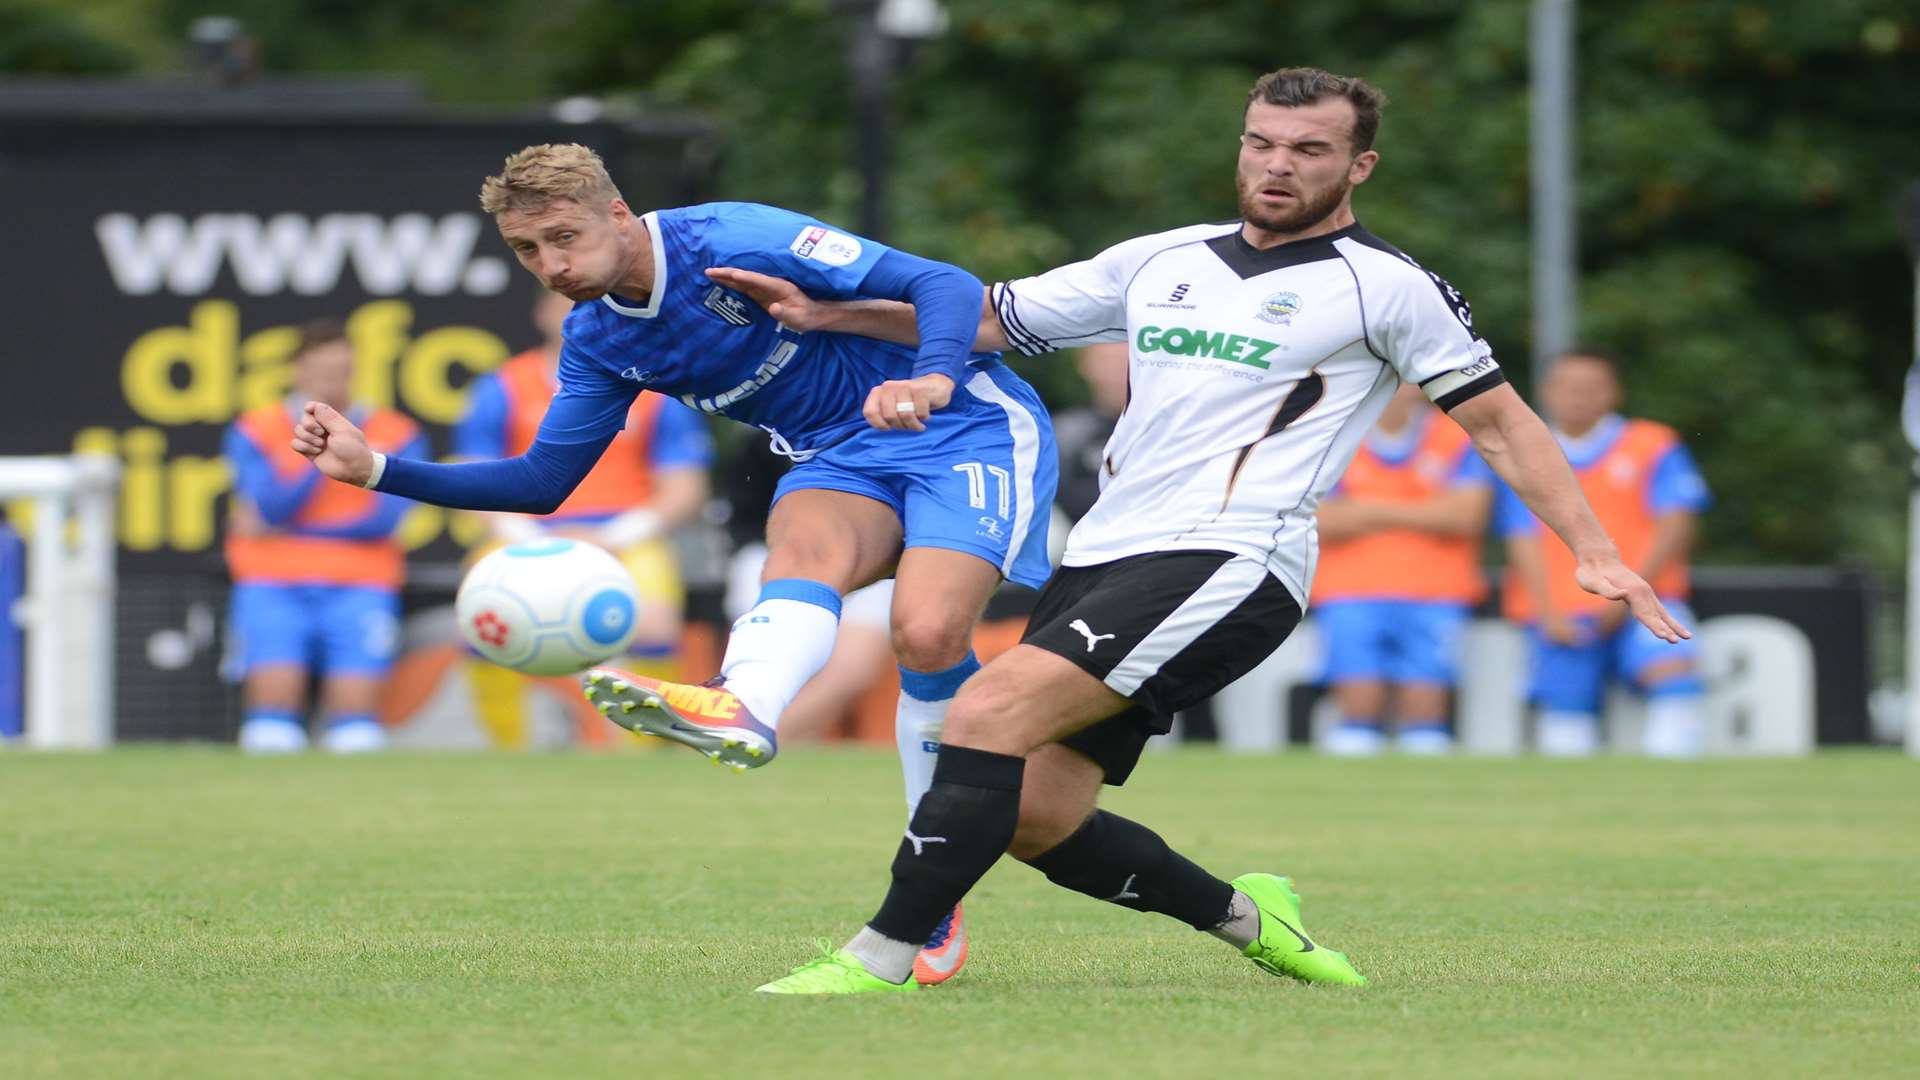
(1556, 238)
(884, 34)
(870, 60)
(1911, 411)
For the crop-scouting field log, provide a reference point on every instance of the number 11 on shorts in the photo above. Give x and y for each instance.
(977, 486)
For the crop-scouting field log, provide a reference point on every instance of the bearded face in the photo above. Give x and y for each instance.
(1280, 206)
(1297, 166)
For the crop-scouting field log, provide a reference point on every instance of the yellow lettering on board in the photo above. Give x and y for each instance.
(426, 372)
(419, 527)
(378, 331)
(266, 366)
(142, 489)
(195, 485)
(204, 347)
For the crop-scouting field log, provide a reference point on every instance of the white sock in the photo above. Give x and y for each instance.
(1424, 739)
(917, 722)
(882, 956)
(272, 734)
(779, 644)
(1569, 734)
(359, 735)
(1242, 924)
(916, 728)
(1350, 738)
(1674, 728)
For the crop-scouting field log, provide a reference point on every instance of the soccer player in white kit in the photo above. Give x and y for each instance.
(1263, 350)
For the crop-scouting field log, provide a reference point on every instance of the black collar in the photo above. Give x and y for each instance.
(1249, 261)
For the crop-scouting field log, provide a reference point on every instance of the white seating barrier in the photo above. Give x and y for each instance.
(67, 608)
(1759, 672)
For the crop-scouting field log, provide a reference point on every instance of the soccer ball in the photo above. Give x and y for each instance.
(547, 607)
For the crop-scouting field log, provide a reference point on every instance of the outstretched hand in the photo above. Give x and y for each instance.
(1610, 578)
(337, 447)
(781, 298)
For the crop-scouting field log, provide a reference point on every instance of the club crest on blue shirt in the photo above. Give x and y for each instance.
(732, 307)
(1279, 308)
(825, 245)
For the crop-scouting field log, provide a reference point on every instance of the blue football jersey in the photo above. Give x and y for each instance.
(715, 349)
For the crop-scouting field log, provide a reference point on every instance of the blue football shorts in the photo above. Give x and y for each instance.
(980, 479)
(1395, 641)
(335, 629)
(1573, 678)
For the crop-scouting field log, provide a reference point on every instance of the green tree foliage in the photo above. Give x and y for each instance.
(1740, 165)
(43, 39)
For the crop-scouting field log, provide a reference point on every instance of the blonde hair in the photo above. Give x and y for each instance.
(542, 174)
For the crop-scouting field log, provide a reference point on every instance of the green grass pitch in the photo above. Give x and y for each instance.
(193, 913)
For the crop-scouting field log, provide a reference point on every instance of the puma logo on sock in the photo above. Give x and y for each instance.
(920, 842)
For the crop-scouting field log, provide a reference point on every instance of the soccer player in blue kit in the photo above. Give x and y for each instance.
(927, 462)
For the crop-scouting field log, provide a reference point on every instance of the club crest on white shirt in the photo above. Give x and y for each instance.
(1280, 308)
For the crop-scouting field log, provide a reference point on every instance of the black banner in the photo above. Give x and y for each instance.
(161, 267)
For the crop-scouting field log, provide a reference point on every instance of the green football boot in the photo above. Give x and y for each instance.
(1283, 947)
(834, 972)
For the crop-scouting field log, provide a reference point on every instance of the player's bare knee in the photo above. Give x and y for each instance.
(812, 558)
(1043, 826)
(276, 686)
(967, 717)
(350, 694)
(934, 641)
(984, 716)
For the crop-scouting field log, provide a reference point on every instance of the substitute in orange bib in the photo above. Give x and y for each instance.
(316, 572)
(650, 480)
(1648, 493)
(1399, 575)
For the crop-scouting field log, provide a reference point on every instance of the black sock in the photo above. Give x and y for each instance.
(1124, 862)
(964, 823)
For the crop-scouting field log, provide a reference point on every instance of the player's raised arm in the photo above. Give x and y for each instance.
(939, 308)
(884, 320)
(572, 436)
(1517, 445)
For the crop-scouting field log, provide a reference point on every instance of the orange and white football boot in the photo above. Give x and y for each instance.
(946, 951)
(707, 718)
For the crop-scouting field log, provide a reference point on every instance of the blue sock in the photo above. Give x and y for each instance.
(286, 717)
(351, 719)
(1688, 685)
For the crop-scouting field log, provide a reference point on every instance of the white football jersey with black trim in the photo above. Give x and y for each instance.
(1254, 376)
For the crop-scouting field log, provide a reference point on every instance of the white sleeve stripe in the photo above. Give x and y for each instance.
(1025, 341)
(1025, 431)
(1003, 310)
(1448, 381)
(1034, 343)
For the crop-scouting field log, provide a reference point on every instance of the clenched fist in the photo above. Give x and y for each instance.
(337, 447)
